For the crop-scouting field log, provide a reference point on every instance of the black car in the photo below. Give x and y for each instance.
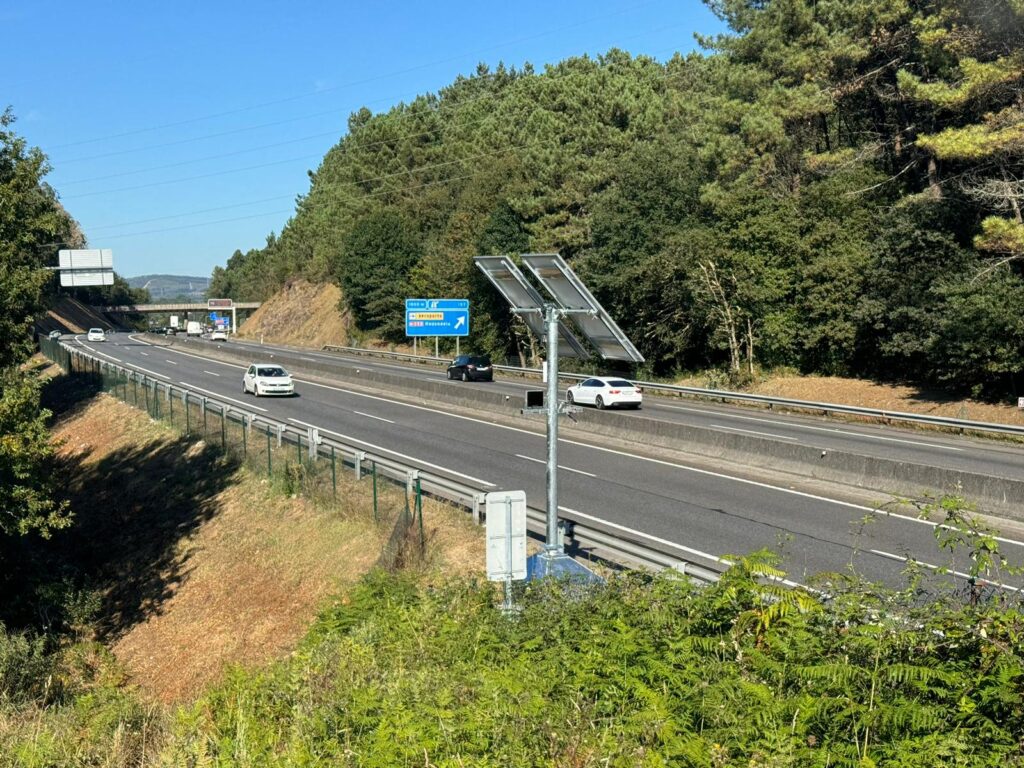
(471, 368)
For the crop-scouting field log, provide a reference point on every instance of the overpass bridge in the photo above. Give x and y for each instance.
(187, 308)
(125, 309)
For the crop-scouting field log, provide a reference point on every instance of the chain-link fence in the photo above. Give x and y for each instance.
(297, 463)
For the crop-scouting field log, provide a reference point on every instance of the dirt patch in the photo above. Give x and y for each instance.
(300, 314)
(870, 394)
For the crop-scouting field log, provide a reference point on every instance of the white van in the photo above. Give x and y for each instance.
(194, 328)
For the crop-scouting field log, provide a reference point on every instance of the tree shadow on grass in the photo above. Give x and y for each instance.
(134, 509)
(123, 557)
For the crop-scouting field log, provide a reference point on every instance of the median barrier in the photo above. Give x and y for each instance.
(992, 494)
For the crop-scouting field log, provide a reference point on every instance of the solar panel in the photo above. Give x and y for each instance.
(513, 285)
(558, 279)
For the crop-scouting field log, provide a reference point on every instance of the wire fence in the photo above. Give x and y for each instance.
(303, 463)
(296, 463)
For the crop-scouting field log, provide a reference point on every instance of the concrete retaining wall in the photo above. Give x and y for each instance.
(992, 494)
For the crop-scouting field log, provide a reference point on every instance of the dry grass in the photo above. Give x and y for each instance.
(239, 578)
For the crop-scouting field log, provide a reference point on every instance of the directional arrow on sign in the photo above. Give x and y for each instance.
(460, 322)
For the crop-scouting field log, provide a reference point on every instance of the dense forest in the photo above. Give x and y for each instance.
(832, 186)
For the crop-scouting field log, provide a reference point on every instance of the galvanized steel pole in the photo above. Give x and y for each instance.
(551, 317)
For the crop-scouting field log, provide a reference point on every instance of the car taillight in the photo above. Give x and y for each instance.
(638, 390)
(615, 391)
(471, 367)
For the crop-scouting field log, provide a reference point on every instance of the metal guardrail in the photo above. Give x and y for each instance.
(725, 395)
(587, 536)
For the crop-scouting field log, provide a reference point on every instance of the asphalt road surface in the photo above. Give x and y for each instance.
(713, 514)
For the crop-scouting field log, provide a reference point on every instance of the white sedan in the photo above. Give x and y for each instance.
(604, 392)
(96, 334)
(218, 336)
(267, 379)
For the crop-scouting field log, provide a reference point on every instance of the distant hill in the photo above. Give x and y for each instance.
(162, 287)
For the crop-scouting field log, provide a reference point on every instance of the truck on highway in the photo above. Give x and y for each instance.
(194, 328)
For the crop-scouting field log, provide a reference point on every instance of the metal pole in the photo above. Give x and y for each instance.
(373, 470)
(551, 542)
(436, 352)
(508, 555)
(334, 474)
(456, 346)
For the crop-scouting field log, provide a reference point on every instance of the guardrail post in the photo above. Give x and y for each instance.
(373, 470)
(334, 474)
(184, 404)
(280, 435)
(223, 429)
(419, 513)
(360, 457)
(202, 409)
(170, 404)
(478, 501)
(245, 438)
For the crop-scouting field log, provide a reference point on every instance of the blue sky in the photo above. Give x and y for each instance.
(181, 131)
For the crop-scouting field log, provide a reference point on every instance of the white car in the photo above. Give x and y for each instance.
(96, 334)
(218, 336)
(605, 392)
(267, 379)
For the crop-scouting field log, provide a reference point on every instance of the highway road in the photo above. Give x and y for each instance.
(713, 513)
(931, 448)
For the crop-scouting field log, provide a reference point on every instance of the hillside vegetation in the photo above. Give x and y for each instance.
(834, 187)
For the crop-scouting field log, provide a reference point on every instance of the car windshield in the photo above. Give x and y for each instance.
(271, 372)
(618, 383)
(95, 330)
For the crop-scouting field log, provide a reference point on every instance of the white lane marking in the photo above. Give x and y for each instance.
(308, 359)
(567, 469)
(151, 373)
(720, 475)
(371, 416)
(932, 567)
(753, 432)
(420, 408)
(91, 349)
(834, 430)
(395, 453)
(212, 373)
(222, 397)
(170, 361)
(144, 353)
(681, 547)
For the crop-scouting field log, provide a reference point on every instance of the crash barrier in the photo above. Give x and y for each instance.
(1001, 495)
(721, 395)
(310, 463)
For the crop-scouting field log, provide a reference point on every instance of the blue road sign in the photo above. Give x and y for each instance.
(437, 317)
(213, 316)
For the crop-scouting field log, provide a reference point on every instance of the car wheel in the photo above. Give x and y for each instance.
(465, 376)
(256, 389)
(569, 397)
(599, 402)
(449, 374)
(637, 407)
(245, 389)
